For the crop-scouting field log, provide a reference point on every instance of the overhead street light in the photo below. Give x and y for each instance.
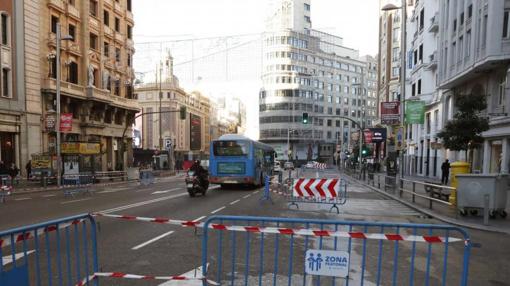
(390, 7)
(59, 39)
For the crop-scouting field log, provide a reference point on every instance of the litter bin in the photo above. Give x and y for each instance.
(457, 168)
(473, 187)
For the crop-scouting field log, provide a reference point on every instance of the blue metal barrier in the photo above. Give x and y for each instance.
(280, 251)
(146, 177)
(75, 184)
(57, 252)
(266, 196)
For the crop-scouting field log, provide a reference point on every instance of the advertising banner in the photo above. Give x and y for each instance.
(415, 112)
(378, 135)
(66, 122)
(390, 113)
(367, 133)
(195, 132)
(80, 148)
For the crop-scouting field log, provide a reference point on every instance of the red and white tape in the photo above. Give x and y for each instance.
(141, 277)
(6, 241)
(293, 231)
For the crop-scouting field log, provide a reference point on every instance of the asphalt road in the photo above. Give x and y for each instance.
(159, 249)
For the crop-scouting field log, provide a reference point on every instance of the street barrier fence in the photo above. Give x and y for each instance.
(57, 252)
(320, 191)
(76, 184)
(147, 177)
(282, 251)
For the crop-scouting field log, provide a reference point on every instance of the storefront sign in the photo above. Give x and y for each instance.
(378, 135)
(390, 113)
(41, 162)
(50, 122)
(80, 148)
(415, 112)
(195, 132)
(66, 122)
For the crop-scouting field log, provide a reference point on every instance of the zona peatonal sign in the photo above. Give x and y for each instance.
(327, 263)
(390, 113)
(415, 112)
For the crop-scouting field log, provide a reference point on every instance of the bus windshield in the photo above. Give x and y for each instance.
(230, 148)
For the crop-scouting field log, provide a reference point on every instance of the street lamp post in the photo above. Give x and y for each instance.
(59, 38)
(288, 143)
(403, 39)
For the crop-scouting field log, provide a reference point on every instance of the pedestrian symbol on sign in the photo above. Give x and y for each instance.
(327, 263)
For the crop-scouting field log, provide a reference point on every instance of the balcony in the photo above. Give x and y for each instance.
(119, 37)
(94, 24)
(96, 94)
(73, 12)
(108, 31)
(117, 7)
(108, 3)
(129, 17)
(432, 65)
(73, 48)
(434, 23)
(125, 103)
(67, 88)
(57, 4)
(130, 44)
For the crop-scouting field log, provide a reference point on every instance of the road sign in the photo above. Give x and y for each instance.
(327, 263)
(168, 144)
(328, 188)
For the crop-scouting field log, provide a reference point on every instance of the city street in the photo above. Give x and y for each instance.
(158, 249)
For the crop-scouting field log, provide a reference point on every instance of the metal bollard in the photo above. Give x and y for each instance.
(486, 199)
(414, 191)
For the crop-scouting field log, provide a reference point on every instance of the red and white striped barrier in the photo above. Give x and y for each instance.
(291, 231)
(324, 188)
(321, 166)
(141, 277)
(6, 241)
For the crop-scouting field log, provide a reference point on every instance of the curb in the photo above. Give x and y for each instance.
(433, 214)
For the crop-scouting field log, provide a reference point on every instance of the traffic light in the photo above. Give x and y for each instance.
(182, 112)
(364, 151)
(305, 118)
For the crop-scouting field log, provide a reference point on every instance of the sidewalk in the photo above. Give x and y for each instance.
(442, 212)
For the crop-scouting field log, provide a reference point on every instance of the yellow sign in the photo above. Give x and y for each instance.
(41, 162)
(81, 148)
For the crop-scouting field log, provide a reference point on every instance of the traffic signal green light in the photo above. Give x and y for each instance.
(182, 112)
(305, 118)
(364, 151)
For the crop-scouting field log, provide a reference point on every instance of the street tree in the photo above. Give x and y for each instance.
(463, 132)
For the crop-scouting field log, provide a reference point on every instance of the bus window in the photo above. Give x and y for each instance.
(230, 148)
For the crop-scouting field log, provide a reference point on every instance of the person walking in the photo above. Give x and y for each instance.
(28, 167)
(445, 170)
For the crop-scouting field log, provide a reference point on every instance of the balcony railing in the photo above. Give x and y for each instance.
(434, 23)
(57, 4)
(432, 61)
(73, 12)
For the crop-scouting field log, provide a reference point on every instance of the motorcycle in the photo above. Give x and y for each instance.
(193, 184)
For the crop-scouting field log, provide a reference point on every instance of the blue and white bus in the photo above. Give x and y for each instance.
(235, 159)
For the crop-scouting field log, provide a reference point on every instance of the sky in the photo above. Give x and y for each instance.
(356, 21)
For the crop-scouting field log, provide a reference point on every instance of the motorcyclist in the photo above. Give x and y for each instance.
(201, 173)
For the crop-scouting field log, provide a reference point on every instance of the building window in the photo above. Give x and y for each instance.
(106, 18)
(337, 123)
(52, 68)
(106, 49)
(502, 92)
(72, 32)
(419, 87)
(307, 19)
(420, 54)
(461, 18)
(468, 43)
(54, 23)
(307, 7)
(470, 11)
(422, 19)
(116, 90)
(396, 35)
(5, 82)
(73, 73)
(506, 29)
(5, 29)
(395, 72)
(117, 55)
(129, 32)
(117, 24)
(413, 89)
(72, 2)
(93, 8)
(461, 45)
(128, 5)
(330, 123)
(129, 60)
(396, 55)
(93, 41)
(455, 25)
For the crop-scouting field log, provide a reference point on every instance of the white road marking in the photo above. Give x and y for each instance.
(22, 199)
(197, 272)
(235, 202)
(125, 207)
(152, 240)
(113, 191)
(8, 259)
(255, 192)
(49, 196)
(75, 201)
(199, 219)
(247, 196)
(166, 191)
(217, 210)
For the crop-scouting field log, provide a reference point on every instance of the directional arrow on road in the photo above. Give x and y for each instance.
(166, 191)
(190, 274)
(8, 259)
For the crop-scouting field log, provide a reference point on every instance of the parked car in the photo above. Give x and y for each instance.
(288, 166)
(310, 164)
